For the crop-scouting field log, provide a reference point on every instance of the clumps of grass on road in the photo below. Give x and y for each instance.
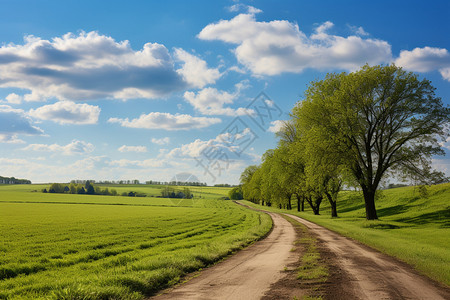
(312, 270)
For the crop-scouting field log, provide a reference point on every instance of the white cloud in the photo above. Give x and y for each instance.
(210, 101)
(226, 144)
(166, 121)
(248, 8)
(94, 66)
(441, 165)
(195, 71)
(276, 126)
(358, 30)
(14, 122)
(271, 48)
(162, 141)
(10, 139)
(75, 147)
(13, 98)
(125, 148)
(67, 112)
(425, 60)
(446, 144)
(148, 163)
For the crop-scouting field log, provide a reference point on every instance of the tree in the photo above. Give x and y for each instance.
(377, 121)
(90, 190)
(236, 193)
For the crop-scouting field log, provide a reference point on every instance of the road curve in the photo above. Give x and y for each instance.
(246, 275)
(373, 274)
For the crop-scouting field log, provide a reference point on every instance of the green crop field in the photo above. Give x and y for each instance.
(62, 246)
(412, 228)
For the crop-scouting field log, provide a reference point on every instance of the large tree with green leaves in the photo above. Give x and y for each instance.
(375, 121)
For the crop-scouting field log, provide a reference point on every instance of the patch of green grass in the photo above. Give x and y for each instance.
(311, 269)
(61, 246)
(412, 228)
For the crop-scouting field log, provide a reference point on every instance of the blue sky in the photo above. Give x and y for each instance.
(148, 89)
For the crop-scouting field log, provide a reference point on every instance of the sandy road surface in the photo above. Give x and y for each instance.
(364, 273)
(374, 275)
(247, 274)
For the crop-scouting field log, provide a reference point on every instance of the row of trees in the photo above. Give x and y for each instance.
(87, 188)
(78, 188)
(12, 180)
(136, 181)
(170, 192)
(353, 129)
(83, 181)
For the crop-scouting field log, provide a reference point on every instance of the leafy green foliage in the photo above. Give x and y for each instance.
(236, 193)
(353, 128)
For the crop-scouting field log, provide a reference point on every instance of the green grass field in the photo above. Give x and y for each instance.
(410, 227)
(60, 246)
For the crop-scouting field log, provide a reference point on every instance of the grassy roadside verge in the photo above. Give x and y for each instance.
(413, 228)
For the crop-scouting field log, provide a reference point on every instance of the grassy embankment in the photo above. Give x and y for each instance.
(64, 246)
(412, 228)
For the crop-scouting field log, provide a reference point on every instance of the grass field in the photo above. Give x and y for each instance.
(60, 246)
(410, 227)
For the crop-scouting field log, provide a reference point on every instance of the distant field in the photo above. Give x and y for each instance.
(62, 246)
(410, 227)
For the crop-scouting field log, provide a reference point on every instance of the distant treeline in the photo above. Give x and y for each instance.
(12, 180)
(87, 188)
(170, 192)
(135, 181)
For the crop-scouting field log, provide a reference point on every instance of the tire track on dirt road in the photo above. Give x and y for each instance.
(248, 274)
(374, 275)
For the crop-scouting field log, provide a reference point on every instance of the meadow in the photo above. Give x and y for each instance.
(62, 246)
(411, 227)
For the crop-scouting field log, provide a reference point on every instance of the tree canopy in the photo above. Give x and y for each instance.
(358, 127)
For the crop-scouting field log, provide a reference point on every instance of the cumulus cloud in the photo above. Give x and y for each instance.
(276, 126)
(148, 163)
(75, 147)
(425, 60)
(210, 101)
(271, 48)
(93, 66)
(358, 30)
(14, 122)
(125, 148)
(195, 71)
(67, 112)
(248, 8)
(162, 141)
(166, 121)
(13, 98)
(225, 145)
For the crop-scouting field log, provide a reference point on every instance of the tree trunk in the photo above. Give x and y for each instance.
(262, 202)
(369, 199)
(333, 209)
(303, 204)
(333, 205)
(298, 204)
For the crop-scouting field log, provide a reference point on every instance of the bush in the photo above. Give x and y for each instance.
(236, 193)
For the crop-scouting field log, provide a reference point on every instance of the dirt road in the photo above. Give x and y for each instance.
(374, 275)
(361, 272)
(246, 275)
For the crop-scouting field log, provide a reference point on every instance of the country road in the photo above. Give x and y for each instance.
(250, 273)
(246, 275)
(374, 275)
